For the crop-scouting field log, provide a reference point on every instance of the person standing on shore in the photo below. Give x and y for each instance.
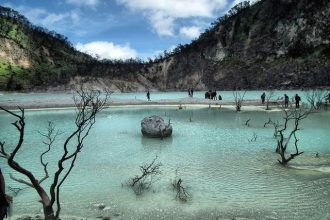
(263, 96)
(297, 99)
(286, 100)
(327, 98)
(4, 198)
(148, 95)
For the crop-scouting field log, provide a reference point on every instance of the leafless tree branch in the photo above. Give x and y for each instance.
(88, 104)
(181, 191)
(295, 115)
(239, 99)
(269, 96)
(142, 182)
(314, 98)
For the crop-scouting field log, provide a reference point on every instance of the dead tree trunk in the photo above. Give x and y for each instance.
(294, 115)
(269, 96)
(88, 104)
(239, 98)
(142, 182)
(315, 98)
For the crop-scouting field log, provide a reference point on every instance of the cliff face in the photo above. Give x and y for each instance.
(271, 44)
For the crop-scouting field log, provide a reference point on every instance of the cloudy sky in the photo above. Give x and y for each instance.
(122, 29)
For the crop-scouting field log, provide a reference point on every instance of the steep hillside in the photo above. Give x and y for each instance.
(272, 44)
(34, 58)
(31, 56)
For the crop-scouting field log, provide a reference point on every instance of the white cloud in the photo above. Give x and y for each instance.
(92, 3)
(238, 1)
(163, 24)
(171, 10)
(176, 8)
(52, 19)
(190, 32)
(107, 50)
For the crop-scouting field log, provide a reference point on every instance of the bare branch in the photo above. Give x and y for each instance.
(295, 115)
(254, 137)
(15, 190)
(89, 104)
(276, 126)
(269, 96)
(2, 150)
(247, 122)
(50, 138)
(142, 182)
(315, 98)
(239, 98)
(181, 191)
(21, 181)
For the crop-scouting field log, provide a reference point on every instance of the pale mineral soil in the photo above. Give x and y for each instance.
(52, 103)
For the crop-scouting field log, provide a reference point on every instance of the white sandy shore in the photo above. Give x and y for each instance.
(184, 102)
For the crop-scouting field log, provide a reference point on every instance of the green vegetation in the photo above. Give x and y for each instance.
(4, 68)
(7, 69)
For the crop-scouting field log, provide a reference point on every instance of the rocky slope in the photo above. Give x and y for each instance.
(271, 44)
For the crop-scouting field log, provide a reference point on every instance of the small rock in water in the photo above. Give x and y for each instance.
(25, 217)
(100, 206)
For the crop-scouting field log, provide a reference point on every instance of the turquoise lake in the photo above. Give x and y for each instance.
(228, 174)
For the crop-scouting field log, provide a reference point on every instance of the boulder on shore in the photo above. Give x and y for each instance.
(155, 127)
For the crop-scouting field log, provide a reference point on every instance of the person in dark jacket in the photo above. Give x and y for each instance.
(263, 97)
(297, 99)
(148, 95)
(4, 198)
(286, 100)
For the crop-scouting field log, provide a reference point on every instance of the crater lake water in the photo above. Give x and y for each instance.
(227, 172)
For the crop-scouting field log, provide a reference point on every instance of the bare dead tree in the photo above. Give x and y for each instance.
(239, 99)
(247, 122)
(253, 138)
(88, 104)
(181, 191)
(15, 190)
(276, 126)
(143, 182)
(190, 116)
(269, 96)
(295, 116)
(314, 98)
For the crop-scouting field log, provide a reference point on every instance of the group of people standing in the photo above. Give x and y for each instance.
(286, 100)
(212, 95)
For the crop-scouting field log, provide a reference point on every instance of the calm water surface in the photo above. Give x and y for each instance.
(227, 174)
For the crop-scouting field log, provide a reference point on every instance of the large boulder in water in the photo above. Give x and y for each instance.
(155, 127)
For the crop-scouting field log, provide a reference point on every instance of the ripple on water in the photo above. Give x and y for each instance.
(227, 175)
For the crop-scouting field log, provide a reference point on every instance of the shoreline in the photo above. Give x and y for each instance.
(62, 104)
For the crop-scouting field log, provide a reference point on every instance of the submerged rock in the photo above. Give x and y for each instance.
(155, 127)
